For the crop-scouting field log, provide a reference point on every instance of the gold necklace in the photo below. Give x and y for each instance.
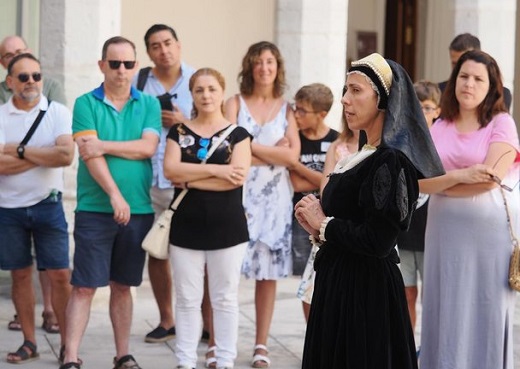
(371, 145)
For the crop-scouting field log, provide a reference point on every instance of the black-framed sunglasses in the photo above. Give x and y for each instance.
(24, 77)
(203, 151)
(115, 64)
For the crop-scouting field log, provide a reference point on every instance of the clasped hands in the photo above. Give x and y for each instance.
(309, 213)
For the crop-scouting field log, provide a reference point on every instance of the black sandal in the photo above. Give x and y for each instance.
(126, 362)
(24, 355)
(61, 358)
(70, 366)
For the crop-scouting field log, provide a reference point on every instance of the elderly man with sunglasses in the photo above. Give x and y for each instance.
(15, 45)
(116, 128)
(31, 181)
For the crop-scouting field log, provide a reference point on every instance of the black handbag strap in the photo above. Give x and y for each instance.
(34, 125)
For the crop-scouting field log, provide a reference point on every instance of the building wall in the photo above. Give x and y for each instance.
(213, 33)
(365, 16)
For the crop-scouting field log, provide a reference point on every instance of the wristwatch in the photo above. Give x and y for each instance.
(20, 150)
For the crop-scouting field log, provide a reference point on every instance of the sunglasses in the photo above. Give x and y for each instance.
(24, 77)
(203, 151)
(115, 64)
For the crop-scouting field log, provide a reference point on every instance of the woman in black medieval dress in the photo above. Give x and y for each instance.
(359, 316)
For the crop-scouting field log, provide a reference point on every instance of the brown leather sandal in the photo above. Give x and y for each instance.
(14, 325)
(50, 323)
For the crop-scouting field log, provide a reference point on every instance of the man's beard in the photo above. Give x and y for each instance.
(29, 95)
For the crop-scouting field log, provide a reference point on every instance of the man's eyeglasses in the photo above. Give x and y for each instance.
(203, 151)
(115, 64)
(300, 111)
(24, 77)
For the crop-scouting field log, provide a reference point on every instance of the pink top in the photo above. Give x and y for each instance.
(460, 150)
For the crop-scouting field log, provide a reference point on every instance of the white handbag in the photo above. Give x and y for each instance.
(157, 240)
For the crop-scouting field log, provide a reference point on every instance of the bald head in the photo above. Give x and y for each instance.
(10, 47)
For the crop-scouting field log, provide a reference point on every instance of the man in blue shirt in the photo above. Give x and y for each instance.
(169, 81)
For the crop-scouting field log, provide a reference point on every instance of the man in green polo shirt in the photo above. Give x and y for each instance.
(116, 128)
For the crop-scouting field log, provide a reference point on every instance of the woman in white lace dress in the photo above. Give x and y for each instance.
(262, 110)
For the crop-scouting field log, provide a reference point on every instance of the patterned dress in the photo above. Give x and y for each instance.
(268, 204)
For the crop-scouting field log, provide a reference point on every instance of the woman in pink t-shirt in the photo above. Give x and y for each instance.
(468, 307)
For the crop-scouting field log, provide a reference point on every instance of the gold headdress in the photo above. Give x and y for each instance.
(376, 68)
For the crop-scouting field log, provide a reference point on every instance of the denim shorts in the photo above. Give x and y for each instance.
(43, 225)
(106, 251)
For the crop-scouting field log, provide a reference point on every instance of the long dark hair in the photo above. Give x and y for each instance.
(492, 104)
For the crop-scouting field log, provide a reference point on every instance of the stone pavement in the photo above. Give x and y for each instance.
(97, 349)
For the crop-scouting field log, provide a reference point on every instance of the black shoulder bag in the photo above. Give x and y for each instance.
(20, 150)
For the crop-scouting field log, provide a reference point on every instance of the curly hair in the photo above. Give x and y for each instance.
(245, 77)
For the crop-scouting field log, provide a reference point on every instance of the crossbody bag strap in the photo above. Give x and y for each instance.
(35, 124)
(514, 240)
(217, 143)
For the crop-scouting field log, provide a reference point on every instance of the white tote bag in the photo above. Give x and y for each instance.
(157, 240)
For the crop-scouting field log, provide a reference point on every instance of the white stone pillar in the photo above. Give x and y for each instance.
(312, 36)
(71, 36)
(516, 97)
(72, 33)
(492, 21)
